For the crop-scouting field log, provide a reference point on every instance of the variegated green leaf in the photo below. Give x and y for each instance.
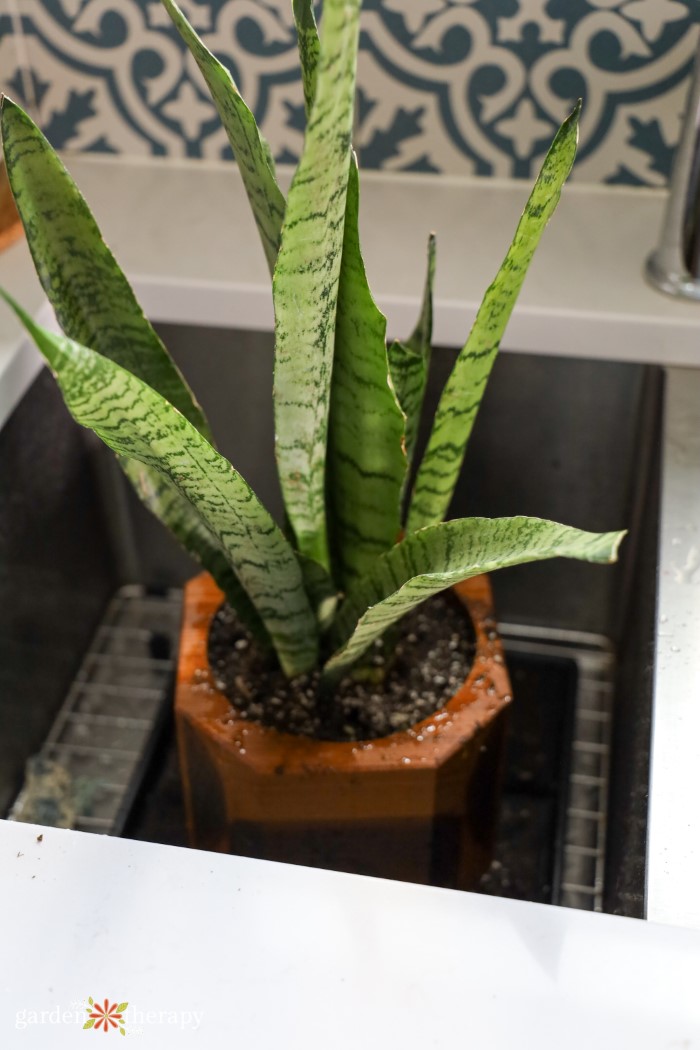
(176, 512)
(409, 376)
(459, 404)
(365, 441)
(439, 556)
(250, 150)
(409, 361)
(322, 592)
(305, 284)
(309, 48)
(365, 421)
(91, 296)
(420, 340)
(138, 423)
(95, 304)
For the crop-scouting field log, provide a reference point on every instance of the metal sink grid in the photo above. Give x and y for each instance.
(104, 733)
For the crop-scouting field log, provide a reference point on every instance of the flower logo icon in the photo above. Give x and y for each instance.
(106, 1016)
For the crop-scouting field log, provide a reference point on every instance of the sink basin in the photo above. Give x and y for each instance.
(565, 438)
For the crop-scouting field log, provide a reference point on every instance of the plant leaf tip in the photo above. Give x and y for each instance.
(572, 121)
(574, 118)
(617, 541)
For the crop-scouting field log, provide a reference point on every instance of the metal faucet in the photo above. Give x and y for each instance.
(674, 266)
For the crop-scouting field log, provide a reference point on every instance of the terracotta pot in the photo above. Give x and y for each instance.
(418, 806)
(10, 223)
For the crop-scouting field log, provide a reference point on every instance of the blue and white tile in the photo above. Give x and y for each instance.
(502, 75)
(450, 86)
(15, 77)
(113, 76)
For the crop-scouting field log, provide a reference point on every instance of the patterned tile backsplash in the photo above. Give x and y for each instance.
(445, 86)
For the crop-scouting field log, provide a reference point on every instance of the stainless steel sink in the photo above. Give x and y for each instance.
(575, 440)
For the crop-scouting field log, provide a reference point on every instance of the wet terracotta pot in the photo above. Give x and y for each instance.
(418, 806)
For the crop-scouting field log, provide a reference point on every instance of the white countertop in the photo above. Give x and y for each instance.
(183, 233)
(224, 952)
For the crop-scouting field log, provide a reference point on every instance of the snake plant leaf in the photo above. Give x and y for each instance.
(138, 423)
(251, 151)
(366, 427)
(409, 361)
(95, 304)
(441, 555)
(305, 283)
(322, 592)
(420, 341)
(309, 48)
(461, 397)
(176, 512)
(91, 297)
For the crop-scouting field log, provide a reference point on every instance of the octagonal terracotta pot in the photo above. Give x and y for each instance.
(419, 806)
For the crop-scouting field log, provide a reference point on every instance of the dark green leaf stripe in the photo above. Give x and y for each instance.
(138, 423)
(409, 361)
(305, 284)
(366, 429)
(250, 150)
(164, 500)
(464, 389)
(440, 556)
(91, 296)
(309, 48)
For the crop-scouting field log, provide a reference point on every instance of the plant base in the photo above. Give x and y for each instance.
(419, 806)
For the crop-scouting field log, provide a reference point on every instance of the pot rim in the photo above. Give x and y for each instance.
(425, 745)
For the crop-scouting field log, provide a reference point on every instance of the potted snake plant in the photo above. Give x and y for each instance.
(335, 709)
